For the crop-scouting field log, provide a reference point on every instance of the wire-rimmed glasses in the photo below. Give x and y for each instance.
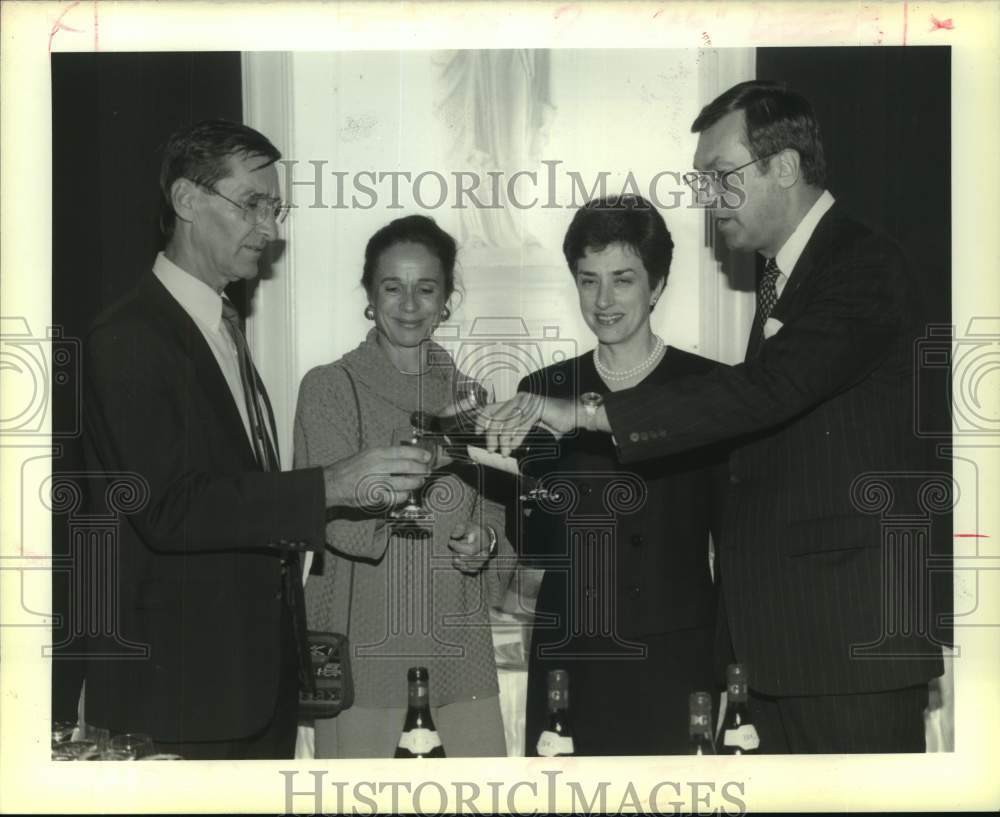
(257, 209)
(718, 182)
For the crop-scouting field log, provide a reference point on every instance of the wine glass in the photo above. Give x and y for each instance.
(135, 744)
(411, 512)
(98, 736)
(471, 397)
(116, 754)
(76, 750)
(62, 731)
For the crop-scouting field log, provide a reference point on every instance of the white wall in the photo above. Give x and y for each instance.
(614, 110)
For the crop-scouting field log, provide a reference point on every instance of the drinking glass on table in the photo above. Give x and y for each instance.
(76, 750)
(98, 736)
(62, 732)
(412, 511)
(135, 744)
(116, 754)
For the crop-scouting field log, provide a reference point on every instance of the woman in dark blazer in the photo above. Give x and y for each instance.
(627, 603)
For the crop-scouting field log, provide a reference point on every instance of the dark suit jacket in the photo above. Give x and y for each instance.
(198, 578)
(823, 402)
(660, 512)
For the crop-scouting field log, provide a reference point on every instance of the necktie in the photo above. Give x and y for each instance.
(258, 407)
(767, 297)
(254, 394)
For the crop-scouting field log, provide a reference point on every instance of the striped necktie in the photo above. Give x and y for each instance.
(258, 406)
(767, 297)
(255, 397)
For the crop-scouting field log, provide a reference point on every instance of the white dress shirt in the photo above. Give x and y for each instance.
(790, 251)
(204, 305)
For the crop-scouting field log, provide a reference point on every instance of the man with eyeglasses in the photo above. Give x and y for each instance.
(206, 578)
(838, 657)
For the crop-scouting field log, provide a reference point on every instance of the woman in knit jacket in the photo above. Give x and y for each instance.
(412, 600)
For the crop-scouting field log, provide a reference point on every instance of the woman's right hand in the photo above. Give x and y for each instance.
(376, 478)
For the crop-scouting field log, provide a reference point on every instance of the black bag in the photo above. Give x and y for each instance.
(330, 687)
(331, 680)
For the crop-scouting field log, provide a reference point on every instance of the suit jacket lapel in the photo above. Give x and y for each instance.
(817, 249)
(206, 368)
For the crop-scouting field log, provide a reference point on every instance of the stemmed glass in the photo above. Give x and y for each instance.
(136, 745)
(412, 512)
(62, 731)
(97, 735)
(471, 397)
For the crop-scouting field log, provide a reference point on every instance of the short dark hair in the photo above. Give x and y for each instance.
(200, 152)
(628, 220)
(776, 118)
(421, 230)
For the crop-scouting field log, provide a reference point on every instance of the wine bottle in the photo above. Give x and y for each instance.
(419, 737)
(557, 739)
(457, 435)
(739, 735)
(700, 724)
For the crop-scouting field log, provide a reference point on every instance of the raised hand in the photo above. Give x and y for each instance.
(470, 544)
(506, 424)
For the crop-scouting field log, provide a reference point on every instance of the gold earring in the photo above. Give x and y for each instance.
(370, 312)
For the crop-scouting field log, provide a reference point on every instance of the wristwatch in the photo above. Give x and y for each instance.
(590, 401)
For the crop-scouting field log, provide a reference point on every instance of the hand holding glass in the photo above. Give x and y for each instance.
(412, 511)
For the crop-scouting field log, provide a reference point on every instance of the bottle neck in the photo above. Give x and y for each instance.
(699, 724)
(558, 700)
(736, 693)
(417, 696)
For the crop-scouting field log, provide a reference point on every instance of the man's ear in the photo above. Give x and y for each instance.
(788, 167)
(184, 194)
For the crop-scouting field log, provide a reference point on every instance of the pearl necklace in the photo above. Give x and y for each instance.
(608, 374)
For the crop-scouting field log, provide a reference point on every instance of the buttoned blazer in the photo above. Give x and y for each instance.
(193, 576)
(821, 598)
(654, 518)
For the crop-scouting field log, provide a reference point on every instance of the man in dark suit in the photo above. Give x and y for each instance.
(823, 398)
(208, 580)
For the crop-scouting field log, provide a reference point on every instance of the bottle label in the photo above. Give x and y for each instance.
(551, 744)
(743, 737)
(419, 741)
(491, 459)
(558, 699)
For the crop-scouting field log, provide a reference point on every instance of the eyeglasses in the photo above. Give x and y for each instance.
(718, 181)
(257, 210)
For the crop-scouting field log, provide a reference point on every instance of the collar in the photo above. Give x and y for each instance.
(199, 300)
(791, 250)
(372, 366)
